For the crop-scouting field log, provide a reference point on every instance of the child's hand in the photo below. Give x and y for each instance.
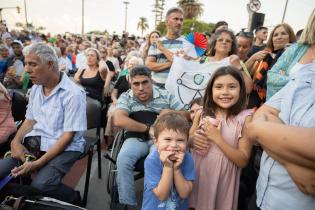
(179, 157)
(212, 132)
(165, 158)
(199, 140)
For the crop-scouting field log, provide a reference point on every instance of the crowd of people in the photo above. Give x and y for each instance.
(231, 129)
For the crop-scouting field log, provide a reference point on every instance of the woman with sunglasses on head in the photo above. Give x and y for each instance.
(92, 78)
(223, 51)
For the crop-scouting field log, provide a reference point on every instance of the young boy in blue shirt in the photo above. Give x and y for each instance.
(169, 169)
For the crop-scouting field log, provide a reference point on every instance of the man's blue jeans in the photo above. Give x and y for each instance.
(48, 178)
(131, 151)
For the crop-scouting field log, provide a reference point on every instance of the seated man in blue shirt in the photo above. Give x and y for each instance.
(169, 169)
(54, 126)
(146, 98)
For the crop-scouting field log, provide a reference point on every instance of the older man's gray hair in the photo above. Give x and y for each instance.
(174, 10)
(44, 52)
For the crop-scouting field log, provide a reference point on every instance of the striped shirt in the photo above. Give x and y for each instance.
(64, 110)
(162, 99)
(173, 45)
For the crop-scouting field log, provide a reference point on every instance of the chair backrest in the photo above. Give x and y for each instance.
(19, 105)
(93, 113)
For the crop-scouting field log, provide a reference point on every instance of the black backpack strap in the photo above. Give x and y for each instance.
(145, 117)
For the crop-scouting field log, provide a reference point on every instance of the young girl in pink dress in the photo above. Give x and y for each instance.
(218, 164)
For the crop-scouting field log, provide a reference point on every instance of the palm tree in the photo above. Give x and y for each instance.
(19, 25)
(30, 26)
(143, 24)
(192, 8)
(40, 28)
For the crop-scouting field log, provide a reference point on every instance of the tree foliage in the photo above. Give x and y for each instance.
(30, 26)
(192, 8)
(189, 25)
(19, 24)
(161, 27)
(142, 25)
(98, 32)
(40, 29)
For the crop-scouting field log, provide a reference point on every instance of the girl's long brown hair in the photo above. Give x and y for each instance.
(210, 107)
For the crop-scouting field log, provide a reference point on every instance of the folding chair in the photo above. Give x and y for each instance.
(93, 111)
(18, 109)
(19, 105)
(112, 169)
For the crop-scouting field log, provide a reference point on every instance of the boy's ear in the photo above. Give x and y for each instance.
(154, 140)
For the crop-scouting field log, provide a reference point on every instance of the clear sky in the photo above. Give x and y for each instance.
(59, 16)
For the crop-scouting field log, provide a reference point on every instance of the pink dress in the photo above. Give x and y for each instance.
(217, 178)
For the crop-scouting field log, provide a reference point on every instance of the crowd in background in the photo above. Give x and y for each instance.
(263, 68)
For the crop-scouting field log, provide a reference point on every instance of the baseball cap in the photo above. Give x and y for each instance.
(17, 42)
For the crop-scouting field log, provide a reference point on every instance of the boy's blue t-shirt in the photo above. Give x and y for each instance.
(152, 175)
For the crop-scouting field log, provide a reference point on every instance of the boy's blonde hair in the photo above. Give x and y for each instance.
(171, 121)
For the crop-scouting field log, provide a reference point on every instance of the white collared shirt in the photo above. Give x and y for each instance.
(64, 110)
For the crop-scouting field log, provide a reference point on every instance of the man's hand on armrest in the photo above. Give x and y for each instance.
(30, 166)
(17, 149)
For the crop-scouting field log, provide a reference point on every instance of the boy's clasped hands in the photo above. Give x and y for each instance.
(172, 157)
